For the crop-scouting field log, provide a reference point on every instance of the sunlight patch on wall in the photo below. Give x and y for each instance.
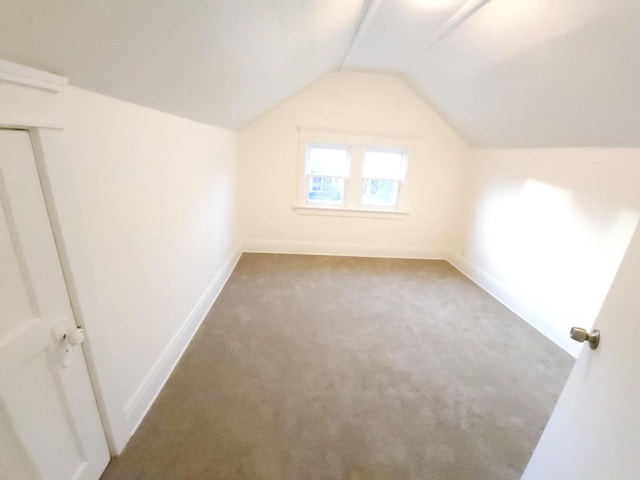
(554, 249)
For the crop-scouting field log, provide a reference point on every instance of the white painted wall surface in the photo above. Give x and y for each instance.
(145, 210)
(544, 230)
(358, 103)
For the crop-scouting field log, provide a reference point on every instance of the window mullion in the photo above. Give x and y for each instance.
(354, 183)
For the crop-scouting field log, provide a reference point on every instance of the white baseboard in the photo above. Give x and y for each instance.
(501, 293)
(138, 405)
(341, 249)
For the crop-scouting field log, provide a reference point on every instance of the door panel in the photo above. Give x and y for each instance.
(49, 423)
(38, 418)
(14, 297)
(594, 430)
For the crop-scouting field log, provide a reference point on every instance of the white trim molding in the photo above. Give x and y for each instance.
(341, 249)
(31, 77)
(140, 403)
(504, 295)
(347, 212)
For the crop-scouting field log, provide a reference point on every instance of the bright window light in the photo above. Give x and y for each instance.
(382, 164)
(382, 172)
(327, 167)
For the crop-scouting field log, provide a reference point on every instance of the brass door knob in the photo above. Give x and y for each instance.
(581, 335)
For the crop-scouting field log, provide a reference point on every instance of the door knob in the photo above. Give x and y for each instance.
(581, 335)
(74, 337)
(67, 339)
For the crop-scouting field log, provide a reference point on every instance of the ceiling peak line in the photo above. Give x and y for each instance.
(369, 13)
(469, 8)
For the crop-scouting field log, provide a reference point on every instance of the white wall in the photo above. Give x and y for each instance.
(358, 103)
(144, 207)
(545, 230)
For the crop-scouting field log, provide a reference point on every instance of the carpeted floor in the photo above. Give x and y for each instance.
(328, 368)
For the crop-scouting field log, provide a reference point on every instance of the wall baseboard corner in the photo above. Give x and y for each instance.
(501, 293)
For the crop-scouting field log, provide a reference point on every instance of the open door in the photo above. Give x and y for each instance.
(49, 422)
(594, 431)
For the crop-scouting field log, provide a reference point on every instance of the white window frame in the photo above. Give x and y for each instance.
(357, 145)
(345, 178)
(400, 179)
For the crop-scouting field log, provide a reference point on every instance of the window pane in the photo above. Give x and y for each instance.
(380, 192)
(325, 189)
(330, 161)
(379, 164)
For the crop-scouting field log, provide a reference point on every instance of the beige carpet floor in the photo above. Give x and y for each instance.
(327, 368)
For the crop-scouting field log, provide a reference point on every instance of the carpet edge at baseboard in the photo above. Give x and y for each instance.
(141, 401)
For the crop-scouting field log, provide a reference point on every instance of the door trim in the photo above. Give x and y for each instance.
(63, 259)
(36, 110)
(31, 77)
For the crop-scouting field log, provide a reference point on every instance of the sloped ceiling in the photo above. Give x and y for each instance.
(503, 73)
(222, 62)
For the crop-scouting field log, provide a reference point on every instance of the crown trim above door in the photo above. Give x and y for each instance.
(32, 77)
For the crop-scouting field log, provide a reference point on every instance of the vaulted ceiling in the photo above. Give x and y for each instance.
(503, 73)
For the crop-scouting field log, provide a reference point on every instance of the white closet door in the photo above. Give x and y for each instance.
(49, 423)
(594, 431)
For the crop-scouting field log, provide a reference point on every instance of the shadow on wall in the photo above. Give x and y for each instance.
(557, 251)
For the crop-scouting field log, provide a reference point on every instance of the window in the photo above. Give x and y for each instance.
(382, 172)
(327, 168)
(351, 174)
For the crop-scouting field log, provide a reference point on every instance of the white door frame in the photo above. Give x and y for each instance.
(38, 153)
(34, 111)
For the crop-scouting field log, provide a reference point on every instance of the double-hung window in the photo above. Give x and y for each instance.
(351, 174)
(327, 169)
(382, 173)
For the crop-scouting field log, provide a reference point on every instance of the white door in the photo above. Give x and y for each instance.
(49, 423)
(594, 431)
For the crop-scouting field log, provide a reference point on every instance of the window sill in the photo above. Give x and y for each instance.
(350, 212)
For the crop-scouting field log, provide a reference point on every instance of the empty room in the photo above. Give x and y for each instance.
(319, 239)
